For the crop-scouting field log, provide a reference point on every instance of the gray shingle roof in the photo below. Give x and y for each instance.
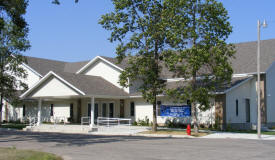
(43, 66)
(244, 62)
(179, 84)
(92, 85)
(246, 54)
(73, 67)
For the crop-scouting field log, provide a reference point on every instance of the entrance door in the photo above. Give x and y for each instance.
(104, 110)
(121, 106)
(111, 110)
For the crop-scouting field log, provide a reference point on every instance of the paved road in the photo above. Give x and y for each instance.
(88, 147)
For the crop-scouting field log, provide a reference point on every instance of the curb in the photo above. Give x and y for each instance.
(147, 135)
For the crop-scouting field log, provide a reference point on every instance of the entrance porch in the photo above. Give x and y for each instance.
(74, 110)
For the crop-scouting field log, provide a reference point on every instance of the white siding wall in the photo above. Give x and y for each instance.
(15, 113)
(246, 90)
(10, 113)
(53, 87)
(270, 91)
(143, 109)
(106, 71)
(61, 109)
(32, 78)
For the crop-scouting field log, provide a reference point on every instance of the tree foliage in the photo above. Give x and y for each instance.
(140, 29)
(202, 55)
(58, 1)
(187, 35)
(13, 33)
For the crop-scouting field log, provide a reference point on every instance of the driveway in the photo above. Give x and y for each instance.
(93, 147)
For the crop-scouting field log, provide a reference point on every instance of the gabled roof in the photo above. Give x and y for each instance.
(95, 60)
(83, 84)
(92, 85)
(245, 61)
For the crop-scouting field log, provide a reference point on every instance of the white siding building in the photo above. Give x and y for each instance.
(90, 88)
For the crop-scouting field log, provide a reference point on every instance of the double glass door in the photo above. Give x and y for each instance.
(103, 110)
(107, 110)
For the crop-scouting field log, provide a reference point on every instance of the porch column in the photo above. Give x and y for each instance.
(92, 111)
(39, 112)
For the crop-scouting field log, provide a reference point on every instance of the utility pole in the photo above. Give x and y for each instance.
(258, 77)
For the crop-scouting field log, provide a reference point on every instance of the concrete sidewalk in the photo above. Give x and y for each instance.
(225, 135)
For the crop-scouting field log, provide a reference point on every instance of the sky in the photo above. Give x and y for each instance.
(70, 32)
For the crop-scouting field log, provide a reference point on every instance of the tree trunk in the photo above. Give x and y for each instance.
(194, 107)
(156, 58)
(1, 106)
(194, 117)
(154, 126)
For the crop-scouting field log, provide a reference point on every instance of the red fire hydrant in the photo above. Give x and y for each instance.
(188, 130)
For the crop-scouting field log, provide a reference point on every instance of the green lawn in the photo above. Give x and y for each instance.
(13, 125)
(15, 154)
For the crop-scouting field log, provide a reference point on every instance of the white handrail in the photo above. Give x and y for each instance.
(85, 120)
(106, 121)
(33, 121)
(59, 119)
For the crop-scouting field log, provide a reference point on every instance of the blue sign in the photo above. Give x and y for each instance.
(175, 111)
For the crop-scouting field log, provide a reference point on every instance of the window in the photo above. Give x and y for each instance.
(247, 108)
(71, 110)
(104, 110)
(158, 108)
(111, 110)
(237, 107)
(24, 110)
(132, 111)
(89, 109)
(51, 110)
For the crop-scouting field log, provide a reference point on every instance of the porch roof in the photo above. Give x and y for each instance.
(92, 85)
(84, 85)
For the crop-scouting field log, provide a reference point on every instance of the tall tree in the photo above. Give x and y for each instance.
(13, 33)
(139, 27)
(203, 56)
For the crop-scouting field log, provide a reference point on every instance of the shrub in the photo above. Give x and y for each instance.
(202, 125)
(143, 122)
(174, 123)
(135, 123)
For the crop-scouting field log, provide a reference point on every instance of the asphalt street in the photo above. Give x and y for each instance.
(91, 147)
